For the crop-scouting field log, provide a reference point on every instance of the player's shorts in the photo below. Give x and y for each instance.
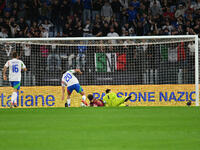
(15, 84)
(76, 87)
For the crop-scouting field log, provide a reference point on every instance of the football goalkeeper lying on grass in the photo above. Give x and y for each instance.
(111, 99)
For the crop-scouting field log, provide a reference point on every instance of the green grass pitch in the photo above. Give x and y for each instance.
(134, 128)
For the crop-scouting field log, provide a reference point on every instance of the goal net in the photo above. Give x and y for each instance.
(154, 70)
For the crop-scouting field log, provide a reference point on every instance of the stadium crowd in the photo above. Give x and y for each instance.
(77, 18)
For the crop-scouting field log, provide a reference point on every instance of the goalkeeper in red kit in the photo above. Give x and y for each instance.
(95, 102)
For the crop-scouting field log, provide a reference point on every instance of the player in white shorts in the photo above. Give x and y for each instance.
(15, 66)
(72, 83)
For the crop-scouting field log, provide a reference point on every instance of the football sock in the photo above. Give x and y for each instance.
(68, 102)
(83, 97)
(84, 100)
(14, 97)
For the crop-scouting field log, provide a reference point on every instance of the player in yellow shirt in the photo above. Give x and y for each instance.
(111, 99)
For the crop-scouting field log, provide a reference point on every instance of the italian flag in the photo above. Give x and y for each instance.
(110, 62)
(173, 54)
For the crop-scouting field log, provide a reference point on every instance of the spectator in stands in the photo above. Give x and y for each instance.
(22, 11)
(78, 8)
(67, 30)
(156, 8)
(44, 32)
(3, 33)
(7, 15)
(5, 53)
(132, 14)
(143, 9)
(15, 6)
(58, 34)
(53, 60)
(197, 26)
(127, 29)
(80, 59)
(78, 30)
(45, 9)
(106, 11)
(105, 29)
(195, 4)
(124, 16)
(27, 55)
(139, 28)
(112, 33)
(14, 14)
(47, 25)
(181, 10)
(180, 30)
(124, 3)
(168, 26)
(87, 30)
(23, 26)
(96, 8)
(1, 22)
(135, 4)
(66, 8)
(87, 8)
(117, 27)
(14, 28)
(156, 3)
(116, 7)
(34, 27)
(96, 31)
(168, 14)
(97, 19)
(7, 27)
(56, 16)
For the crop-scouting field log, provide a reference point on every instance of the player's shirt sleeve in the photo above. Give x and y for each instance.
(71, 71)
(7, 64)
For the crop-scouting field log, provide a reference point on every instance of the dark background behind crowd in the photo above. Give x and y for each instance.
(77, 18)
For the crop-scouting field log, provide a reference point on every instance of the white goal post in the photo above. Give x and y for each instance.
(146, 65)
